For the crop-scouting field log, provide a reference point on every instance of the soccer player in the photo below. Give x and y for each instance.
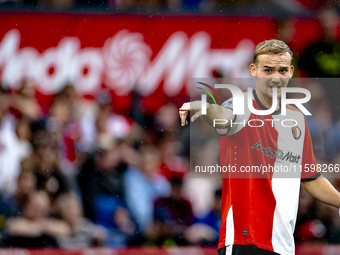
(259, 214)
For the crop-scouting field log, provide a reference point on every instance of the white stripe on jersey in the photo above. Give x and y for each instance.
(229, 250)
(230, 227)
(286, 190)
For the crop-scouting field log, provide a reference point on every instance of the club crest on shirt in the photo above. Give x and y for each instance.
(296, 131)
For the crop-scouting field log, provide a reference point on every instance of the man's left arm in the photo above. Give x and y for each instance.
(321, 189)
(314, 183)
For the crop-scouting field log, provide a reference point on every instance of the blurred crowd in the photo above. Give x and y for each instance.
(80, 174)
(292, 6)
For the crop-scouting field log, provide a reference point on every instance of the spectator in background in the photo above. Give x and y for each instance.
(100, 181)
(143, 185)
(35, 229)
(201, 191)
(100, 119)
(24, 103)
(322, 58)
(166, 119)
(321, 124)
(88, 118)
(305, 213)
(316, 222)
(100, 175)
(63, 122)
(12, 206)
(172, 164)
(67, 95)
(173, 214)
(213, 218)
(43, 163)
(24, 134)
(12, 150)
(205, 230)
(328, 217)
(83, 232)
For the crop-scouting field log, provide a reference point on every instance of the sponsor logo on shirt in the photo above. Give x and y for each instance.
(280, 154)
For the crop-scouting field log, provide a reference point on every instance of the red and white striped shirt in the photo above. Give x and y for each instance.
(262, 211)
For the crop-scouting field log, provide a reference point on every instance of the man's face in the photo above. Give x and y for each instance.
(272, 70)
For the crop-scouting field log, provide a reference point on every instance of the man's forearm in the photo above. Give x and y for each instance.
(215, 112)
(23, 227)
(323, 190)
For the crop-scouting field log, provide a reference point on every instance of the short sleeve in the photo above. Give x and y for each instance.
(225, 131)
(308, 159)
(237, 124)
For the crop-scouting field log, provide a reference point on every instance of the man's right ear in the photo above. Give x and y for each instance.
(252, 69)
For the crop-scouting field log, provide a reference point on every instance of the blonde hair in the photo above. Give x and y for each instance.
(271, 47)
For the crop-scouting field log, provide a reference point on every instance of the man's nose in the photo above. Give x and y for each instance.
(276, 78)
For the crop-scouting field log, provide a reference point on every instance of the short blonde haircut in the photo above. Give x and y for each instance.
(271, 47)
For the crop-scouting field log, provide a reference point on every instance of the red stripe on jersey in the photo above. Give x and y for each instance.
(225, 206)
(308, 158)
(252, 199)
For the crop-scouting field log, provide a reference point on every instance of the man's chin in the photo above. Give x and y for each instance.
(270, 95)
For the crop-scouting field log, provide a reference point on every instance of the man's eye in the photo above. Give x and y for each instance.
(268, 70)
(283, 71)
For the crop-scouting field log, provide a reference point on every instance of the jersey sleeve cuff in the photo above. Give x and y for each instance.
(311, 178)
(224, 131)
(228, 108)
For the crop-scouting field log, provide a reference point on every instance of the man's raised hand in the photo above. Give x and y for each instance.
(186, 108)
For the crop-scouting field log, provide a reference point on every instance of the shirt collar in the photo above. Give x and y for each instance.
(278, 111)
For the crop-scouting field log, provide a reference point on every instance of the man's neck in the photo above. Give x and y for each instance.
(266, 101)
